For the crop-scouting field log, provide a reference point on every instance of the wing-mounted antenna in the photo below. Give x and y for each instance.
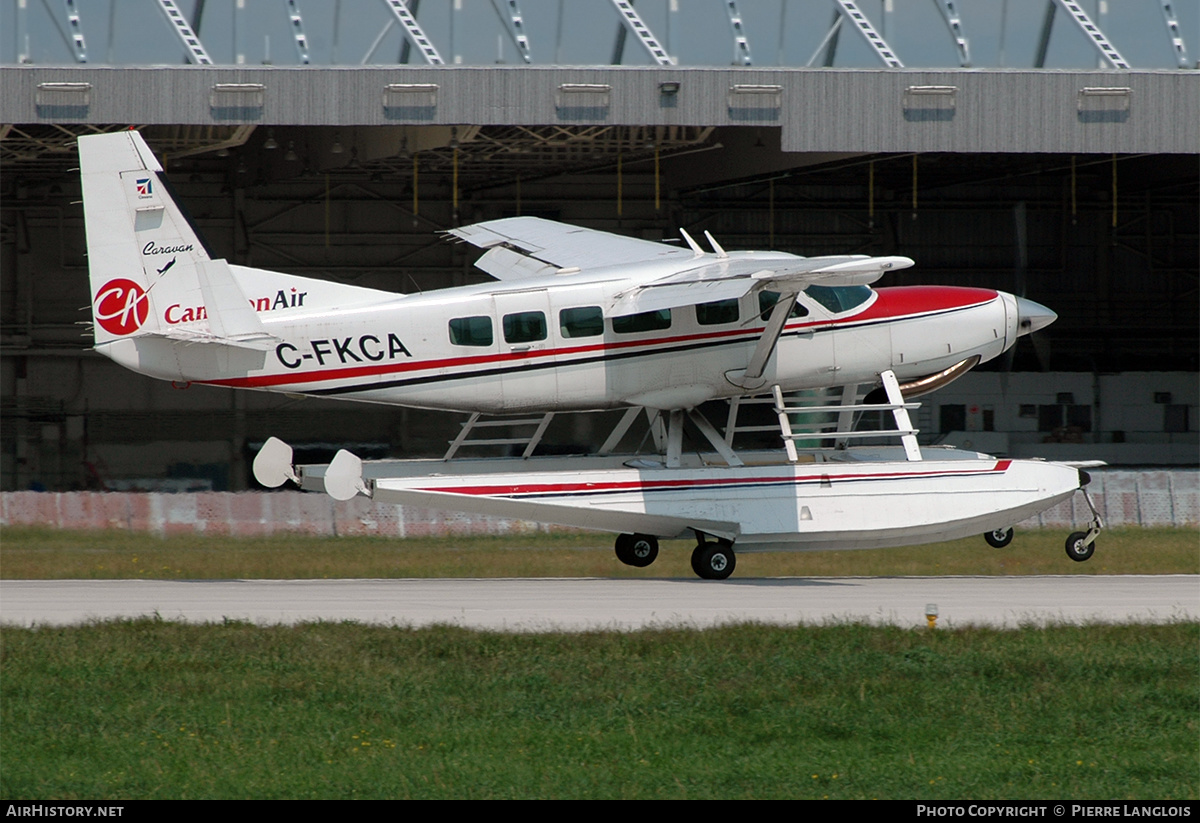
(695, 246)
(715, 246)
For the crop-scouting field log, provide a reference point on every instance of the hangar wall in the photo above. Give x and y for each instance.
(1085, 202)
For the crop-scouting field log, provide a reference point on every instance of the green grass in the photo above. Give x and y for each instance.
(148, 709)
(40, 553)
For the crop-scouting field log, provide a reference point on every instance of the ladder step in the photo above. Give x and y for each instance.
(859, 407)
(481, 424)
(832, 435)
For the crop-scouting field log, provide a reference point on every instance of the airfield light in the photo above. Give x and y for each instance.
(931, 615)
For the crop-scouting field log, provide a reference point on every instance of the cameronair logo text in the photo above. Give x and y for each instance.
(347, 350)
(178, 313)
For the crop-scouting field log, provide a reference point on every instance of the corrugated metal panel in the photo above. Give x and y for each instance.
(977, 110)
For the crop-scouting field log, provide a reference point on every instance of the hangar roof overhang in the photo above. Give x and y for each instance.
(816, 110)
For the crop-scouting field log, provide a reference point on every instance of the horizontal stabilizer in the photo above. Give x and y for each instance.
(231, 318)
(264, 342)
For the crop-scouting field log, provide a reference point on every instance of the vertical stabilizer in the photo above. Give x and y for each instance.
(142, 250)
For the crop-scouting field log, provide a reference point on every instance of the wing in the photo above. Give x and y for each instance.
(524, 247)
(557, 246)
(732, 276)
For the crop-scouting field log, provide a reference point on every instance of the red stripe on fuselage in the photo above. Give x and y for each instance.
(905, 301)
(894, 303)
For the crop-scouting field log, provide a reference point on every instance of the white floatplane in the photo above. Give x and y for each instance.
(583, 320)
(843, 497)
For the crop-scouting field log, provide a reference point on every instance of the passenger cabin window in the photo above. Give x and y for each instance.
(839, 298)
(767, 301)
(585, 321)
(717, 312)
(471, 331)
(524, 327)
(646, 321)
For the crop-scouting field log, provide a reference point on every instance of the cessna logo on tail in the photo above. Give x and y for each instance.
(121, 306)
(150, 248)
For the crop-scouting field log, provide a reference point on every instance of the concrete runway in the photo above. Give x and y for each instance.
(590, 604)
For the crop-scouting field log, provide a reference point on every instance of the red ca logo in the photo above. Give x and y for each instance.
(121, 306)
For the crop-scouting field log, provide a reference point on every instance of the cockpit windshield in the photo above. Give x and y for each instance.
(839, 298)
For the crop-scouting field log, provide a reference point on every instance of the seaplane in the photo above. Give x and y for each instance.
(580, 320)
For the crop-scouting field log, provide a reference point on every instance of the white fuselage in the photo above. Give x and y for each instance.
(547, 344)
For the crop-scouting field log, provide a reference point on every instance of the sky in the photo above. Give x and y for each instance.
(779, 32)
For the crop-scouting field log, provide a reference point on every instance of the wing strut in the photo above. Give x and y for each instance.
(751, 378)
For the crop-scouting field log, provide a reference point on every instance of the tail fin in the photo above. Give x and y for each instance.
(142, 250)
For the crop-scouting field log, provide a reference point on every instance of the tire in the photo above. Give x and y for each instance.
(714, 561)
(638, 550)
(1077, 550)
(999, 538)
(644, 550)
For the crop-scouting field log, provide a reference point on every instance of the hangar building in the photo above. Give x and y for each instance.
(1075, 187)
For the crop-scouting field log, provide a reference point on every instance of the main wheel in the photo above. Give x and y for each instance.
(1077, 549)
(638, 550)
(999, 538)
(714, 561)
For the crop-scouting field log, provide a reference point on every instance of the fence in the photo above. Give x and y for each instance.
(1124, 498)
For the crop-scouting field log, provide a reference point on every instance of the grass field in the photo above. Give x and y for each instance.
(34, 553)
(149, 709)
(158, 710)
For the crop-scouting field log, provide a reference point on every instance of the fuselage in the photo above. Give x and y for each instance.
(576, 318)
(550, 344)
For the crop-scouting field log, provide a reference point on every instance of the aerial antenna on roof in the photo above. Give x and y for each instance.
(695, 246)
(716, 246)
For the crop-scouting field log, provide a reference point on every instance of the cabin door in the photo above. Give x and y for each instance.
(523, 323)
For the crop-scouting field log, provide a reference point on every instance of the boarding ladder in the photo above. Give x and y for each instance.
(786, 408)
(529, 441)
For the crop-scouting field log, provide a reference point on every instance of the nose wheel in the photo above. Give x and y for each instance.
(713, 561)
(1082, 545)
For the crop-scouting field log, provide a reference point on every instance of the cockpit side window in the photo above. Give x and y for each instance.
(839, 298)
(767, 301)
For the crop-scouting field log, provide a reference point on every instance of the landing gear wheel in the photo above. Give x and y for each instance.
(999, 538)
(1077, 549)
(714, 561)
(638, 550)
